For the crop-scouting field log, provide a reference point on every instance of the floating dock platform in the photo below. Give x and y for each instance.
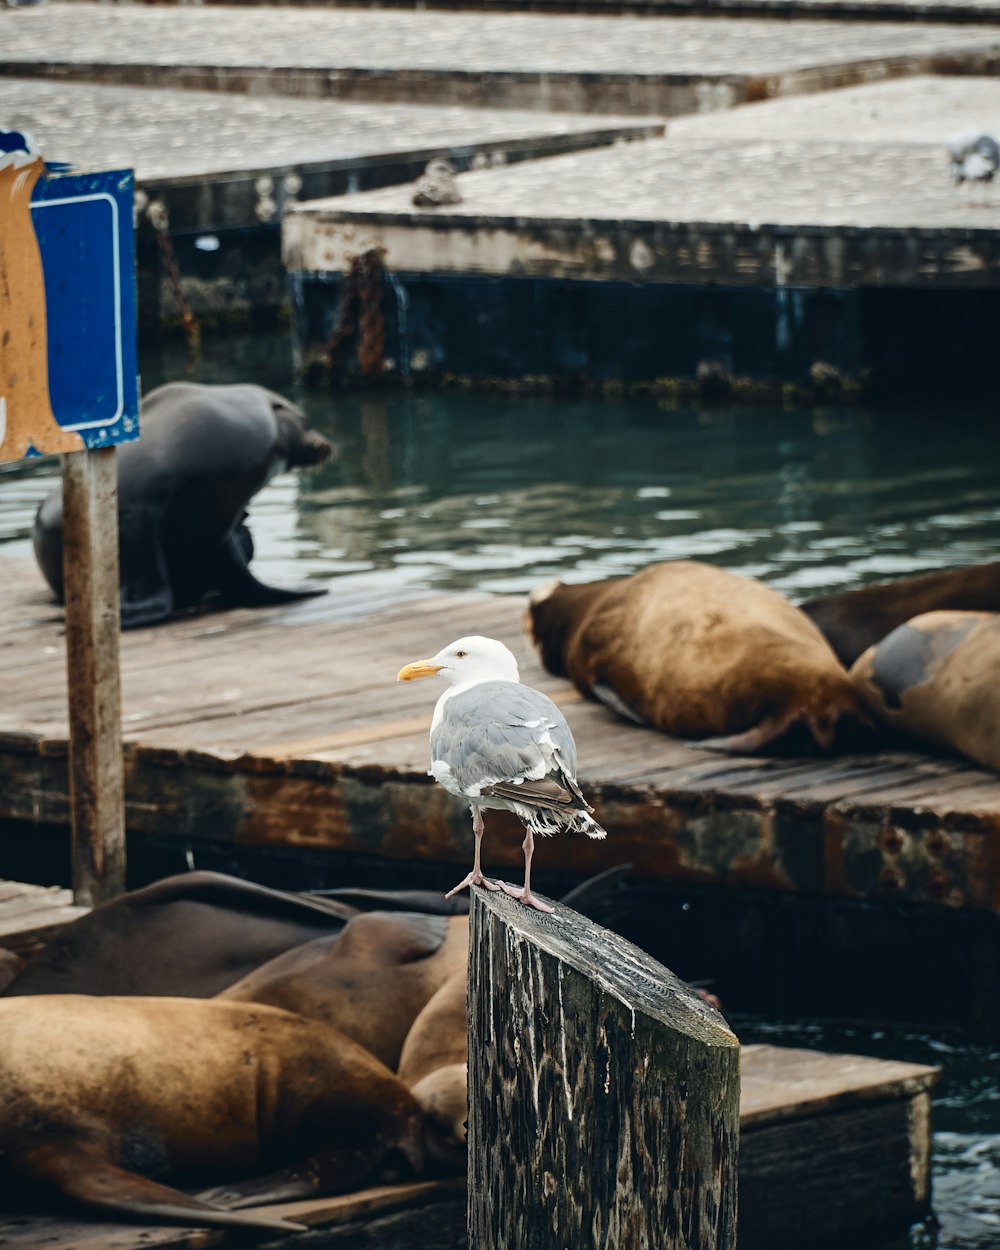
(763, 242)
(277, 743)
(571, 63)
(217, 201)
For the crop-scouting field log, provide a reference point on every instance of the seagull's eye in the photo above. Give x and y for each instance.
(460, 655)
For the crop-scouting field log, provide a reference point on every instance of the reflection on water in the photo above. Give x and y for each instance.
(499, 493)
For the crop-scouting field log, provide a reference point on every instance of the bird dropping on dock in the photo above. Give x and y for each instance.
(500, 744)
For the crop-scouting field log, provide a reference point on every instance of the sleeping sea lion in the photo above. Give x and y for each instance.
(191, 934)
(936, 678)
(433, 1064)
(183, 490)
(854, 620)
(700, 653)
(370, 982)
(102, 1096)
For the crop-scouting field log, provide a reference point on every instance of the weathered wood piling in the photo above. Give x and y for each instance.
(603, 1093)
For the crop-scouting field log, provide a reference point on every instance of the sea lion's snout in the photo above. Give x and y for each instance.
(317, 449)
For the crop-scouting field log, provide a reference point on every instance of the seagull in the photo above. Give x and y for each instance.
(975, 157)
(436, 186)
(500, 744)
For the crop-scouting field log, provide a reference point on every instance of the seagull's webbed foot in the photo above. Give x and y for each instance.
(524, 895)
(474, 878)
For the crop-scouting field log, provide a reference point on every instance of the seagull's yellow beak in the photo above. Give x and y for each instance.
(419, 668)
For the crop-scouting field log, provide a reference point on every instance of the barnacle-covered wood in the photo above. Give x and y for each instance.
(603, 1093)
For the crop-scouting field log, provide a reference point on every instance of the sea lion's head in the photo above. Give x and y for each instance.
(300, 445)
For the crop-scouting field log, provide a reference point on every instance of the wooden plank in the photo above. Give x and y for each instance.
(29, 923)
(90, 576)
(341, 1208)
(779, 1083)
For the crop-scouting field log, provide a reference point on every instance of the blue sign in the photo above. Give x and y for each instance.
(68, 368)
(83, 223)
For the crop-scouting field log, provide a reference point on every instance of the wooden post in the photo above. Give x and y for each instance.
(603, 1093)
(90, 575)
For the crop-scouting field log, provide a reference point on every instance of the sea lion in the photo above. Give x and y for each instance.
(183, 490)
(192, 934)
(700, 653)
(103, 1095)
(434, 1061)
(370, 981)
(855, 620)
(936, 678)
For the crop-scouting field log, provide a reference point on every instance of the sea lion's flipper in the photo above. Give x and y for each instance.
(146, 593)
(753, 740)
(81, 1171)
(336, 1172)
(237, 585)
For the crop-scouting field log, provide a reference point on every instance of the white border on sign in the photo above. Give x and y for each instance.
(82, 199)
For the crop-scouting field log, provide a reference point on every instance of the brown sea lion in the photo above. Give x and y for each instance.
(370, 981)
(700, 653)
(937, 678)
(101, 1096)
(434, 1061)
(855, 620)
(191, 935)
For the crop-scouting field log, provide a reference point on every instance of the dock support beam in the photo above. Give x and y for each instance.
(90, 577)
(603, 1093)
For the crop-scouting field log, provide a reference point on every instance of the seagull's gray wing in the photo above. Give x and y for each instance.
(501, 739)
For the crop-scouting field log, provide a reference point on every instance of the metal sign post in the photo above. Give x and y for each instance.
(68, 385)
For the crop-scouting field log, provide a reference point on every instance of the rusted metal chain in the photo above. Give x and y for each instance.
(157, 214)
(360, 309)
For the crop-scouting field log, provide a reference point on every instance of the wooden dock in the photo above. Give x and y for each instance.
(286, 727)
(867, 1119)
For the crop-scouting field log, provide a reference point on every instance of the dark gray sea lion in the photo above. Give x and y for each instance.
(855, 620)
(192, 935)
(370, 981)
(106, 1100)
(183, 490)
(700, 653)
(937, 679)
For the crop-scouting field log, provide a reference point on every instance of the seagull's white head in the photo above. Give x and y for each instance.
(466, 661)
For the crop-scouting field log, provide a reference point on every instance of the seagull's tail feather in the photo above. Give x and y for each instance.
(546, 822)
(585, 823)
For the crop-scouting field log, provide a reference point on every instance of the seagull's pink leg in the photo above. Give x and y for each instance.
(476, 876)
(523, 893)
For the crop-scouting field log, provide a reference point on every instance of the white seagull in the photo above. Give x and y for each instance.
(501, 744)
(975, 158)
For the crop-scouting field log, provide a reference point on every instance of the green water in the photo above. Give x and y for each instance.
(456, 491)
(462, 491)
